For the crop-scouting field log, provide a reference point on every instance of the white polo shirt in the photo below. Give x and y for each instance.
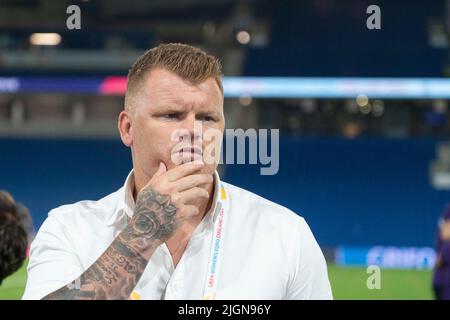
(267, 251)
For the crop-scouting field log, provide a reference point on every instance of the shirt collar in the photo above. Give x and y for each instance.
(125, 205)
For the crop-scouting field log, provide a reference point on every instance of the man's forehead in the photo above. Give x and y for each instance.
(176, 94)
(168, 84)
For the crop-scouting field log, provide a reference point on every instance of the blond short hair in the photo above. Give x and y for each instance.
(189, 63)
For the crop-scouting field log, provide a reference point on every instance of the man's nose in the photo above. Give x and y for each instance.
(193, 127)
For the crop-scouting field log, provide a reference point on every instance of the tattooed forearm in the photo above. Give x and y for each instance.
(115, 274)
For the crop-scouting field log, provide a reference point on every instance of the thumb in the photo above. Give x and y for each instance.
(162, 169)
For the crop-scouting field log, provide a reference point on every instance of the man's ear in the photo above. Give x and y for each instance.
(124, 124)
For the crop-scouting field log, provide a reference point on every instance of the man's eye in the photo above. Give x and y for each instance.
(208, 118)
(171, 116)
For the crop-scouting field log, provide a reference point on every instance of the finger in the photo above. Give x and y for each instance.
(162, 169)
(188, 196)
(193, 181)
(189, 211)
(183, 170)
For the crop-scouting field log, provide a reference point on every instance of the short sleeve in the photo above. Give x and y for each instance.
(53, 262)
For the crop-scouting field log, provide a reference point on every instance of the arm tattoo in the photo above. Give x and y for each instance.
(115, 274)
(154, 217)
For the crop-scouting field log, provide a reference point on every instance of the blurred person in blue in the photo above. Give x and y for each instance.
(441, 277)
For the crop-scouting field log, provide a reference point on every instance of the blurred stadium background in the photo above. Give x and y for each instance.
(363, 115)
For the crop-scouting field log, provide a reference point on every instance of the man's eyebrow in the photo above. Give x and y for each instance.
(168, 107)
(208, 113)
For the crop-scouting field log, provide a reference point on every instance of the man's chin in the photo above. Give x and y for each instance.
(178, 159)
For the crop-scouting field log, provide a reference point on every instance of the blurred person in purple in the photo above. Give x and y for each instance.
(441, 277)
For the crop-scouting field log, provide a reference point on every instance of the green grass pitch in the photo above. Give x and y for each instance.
(395, 284)
(12, 287)
(347, 283)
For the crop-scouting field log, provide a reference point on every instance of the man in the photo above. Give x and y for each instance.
(14, 222)
(174, 230)
(441, 276)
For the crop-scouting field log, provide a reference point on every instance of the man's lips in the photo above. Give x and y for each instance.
(187, 154)
(188, 150)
